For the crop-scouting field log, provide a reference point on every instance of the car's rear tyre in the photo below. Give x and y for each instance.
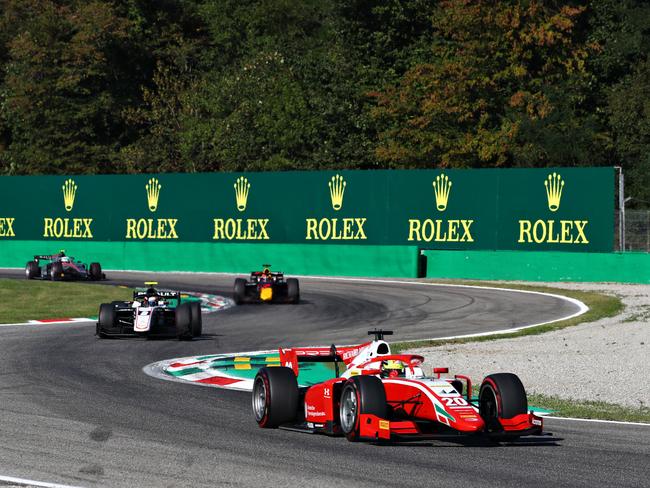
(95, 271)
(293, 290)
(275, 396)
(197, 321)
(183, 317)
(361, 394)
(502, 396)
(56, 272)
(32, 270)
(239, 291)
(106, 319)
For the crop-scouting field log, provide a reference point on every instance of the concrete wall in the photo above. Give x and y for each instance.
(539, 266)
(312, 259)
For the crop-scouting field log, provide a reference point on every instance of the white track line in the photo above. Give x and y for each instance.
(621, 422)
(49, 323)
(21, 481)
(582, 308)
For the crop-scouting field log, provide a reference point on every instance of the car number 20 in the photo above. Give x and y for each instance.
(455, 402)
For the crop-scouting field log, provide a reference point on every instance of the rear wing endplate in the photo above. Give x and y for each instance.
(292, 357)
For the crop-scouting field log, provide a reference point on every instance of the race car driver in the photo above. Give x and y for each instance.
(266, 275)
(392, 369)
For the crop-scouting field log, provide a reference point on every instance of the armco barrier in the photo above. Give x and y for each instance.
(538, 266)
(314, 259)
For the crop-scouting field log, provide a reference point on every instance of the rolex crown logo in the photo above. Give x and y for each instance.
(441, 189)
(337, 188)
(242, 186)
(69, 191)
(554, 185)
(153, 193)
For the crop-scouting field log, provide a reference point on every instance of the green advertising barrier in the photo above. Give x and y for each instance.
(538, 266)
(560, 209)
(342, 260)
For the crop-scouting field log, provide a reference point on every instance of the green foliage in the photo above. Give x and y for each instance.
(499, 88)
(59, 98)
(210, 85)
(629, 116)
(620, 90)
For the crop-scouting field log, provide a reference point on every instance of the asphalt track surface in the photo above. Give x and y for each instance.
(78, 410)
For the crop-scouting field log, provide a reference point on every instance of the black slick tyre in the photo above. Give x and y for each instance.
(275, 397)
(293, 290)
(239, 291)
(183, 316)
(361, 394)
(56, 272)
(106, 319)
(32, 270)
(197, 321)
(502, 396)
(95, 271)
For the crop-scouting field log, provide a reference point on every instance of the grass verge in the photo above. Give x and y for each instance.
(22, 300)
(583, 409)
(589, 409)
(600, 306)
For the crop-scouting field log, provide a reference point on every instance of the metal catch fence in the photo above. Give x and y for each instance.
(637, 230)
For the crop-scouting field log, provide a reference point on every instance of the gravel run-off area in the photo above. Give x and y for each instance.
(607, 360)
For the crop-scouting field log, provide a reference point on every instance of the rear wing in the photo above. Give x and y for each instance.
(43, 257)
(277, 276)
(159, 293)
(292, 357)
(40, 257)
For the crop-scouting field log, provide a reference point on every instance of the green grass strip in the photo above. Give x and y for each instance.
(589, 409)
(22, 300)
(600, 306)
(583, 409)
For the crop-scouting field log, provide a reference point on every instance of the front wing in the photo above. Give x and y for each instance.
(163, 324)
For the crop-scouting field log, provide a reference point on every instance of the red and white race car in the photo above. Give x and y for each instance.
(378, 396)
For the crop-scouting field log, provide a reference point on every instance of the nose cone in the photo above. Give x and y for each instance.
(469, 422)
(266, 294)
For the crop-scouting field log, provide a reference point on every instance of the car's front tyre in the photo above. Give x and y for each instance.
(196, 319)
(361, 395)
(106, 319)
(56, 271)
(239, 291)
(293, 290)
(502, 396)
(183, 319)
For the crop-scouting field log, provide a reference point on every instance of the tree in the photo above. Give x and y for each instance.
(629, 115)
(59, 99)
(275, 91)
(620, 90)
(502, 86)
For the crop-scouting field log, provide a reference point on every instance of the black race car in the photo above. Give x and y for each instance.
(265, 286)
(151, 313)
(58, 267)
